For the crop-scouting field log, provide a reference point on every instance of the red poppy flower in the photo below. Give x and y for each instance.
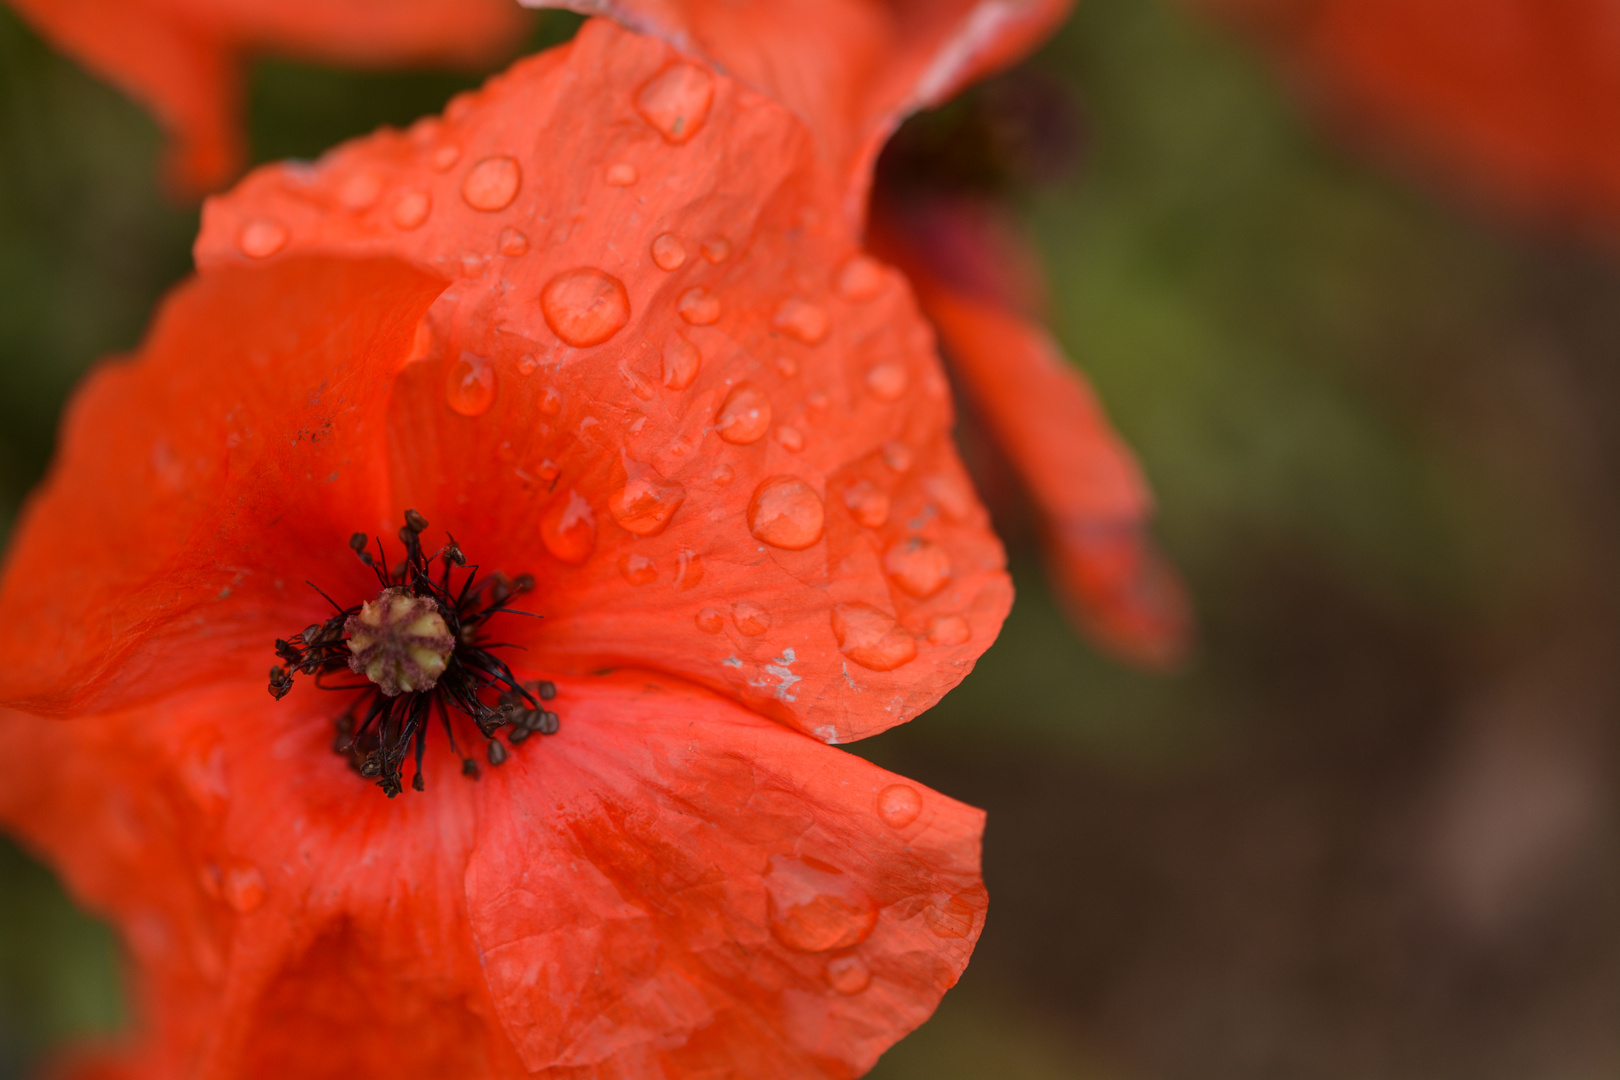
(851, 69)
(1518, 101)
(183, 59)
(606, 323)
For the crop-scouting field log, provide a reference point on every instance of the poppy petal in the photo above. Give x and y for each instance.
(182, 59)
(669, 883)
(851, 69)
(666, 382)
(198, 486)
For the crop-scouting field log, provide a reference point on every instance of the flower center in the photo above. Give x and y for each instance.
(421, 646)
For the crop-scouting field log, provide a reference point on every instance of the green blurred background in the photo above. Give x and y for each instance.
(1370, 831)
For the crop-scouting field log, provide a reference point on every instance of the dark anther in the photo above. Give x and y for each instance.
(420, 649)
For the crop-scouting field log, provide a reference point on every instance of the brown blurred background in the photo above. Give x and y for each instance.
(1371, 830)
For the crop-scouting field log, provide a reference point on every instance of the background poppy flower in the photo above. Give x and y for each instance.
(183, 59)
(606, 322)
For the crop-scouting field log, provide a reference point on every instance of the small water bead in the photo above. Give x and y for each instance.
(953, 918)
(872, 638)
(549, 470)
(261, 238)
(688, 569)
(445, 157)
(919, 567)
(585, 306)
(786, 512)
(848, 974)
(645, 505)
(790, 437)
(717, 249)
(818, 400)
(814, 907)
(412, 208)
(860, 278)
(801, 320)
(622, 174)
(887, 381)
(550, 401)
(676, 101)
(668, 251)
(360, 191)
(699, 306)
(710, 620)
(948, 630)
(724, 475)
(681, 362)
(512, 242)
(638, 385)
(787, 367)
(898, 456)
(492, 184)
(242, 887)
(469, 388)
(750, 618)
(568, 529)
(744, 416)
(898, 805)
(868, 504)
(952, 495)
(638, 569)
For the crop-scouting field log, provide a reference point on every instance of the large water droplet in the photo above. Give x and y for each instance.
(953, 918)
(668, 251)
(261, 238)
(786, 512)
(848, 974)
(584, 306)
(412, 208)
(710, 620)
(898, 805)
(750, 618)
(644, 505)
(861, 278)
(513, 243)
(887, 381)
(638, 569)
(744, 416)
(948, 630)
(681, 362)
(919, 567)
(871, 637)
(568, 529)
(469, 388)
(801, 320)
(622, 174)
(243, 888)
(813, 907)
(492, 184)
(676, 101)
(868, 504)
(699, 306)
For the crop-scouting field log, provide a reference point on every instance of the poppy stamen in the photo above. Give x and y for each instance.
(419, 645)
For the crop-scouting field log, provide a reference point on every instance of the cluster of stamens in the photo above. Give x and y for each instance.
(422, 649)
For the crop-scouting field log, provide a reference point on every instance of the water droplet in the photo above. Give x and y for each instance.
(638, 569)
(445, 157)
(724, 475)
(868, 504)
(360, 191)
(470, 387)
(699, 306)
(817, 400)
(744, 416)
(710, 620)
(550, 401)
(638, 385)
(668, 251)
(513, 242)
(750, 618)
(787, 367)
(645, 505)
(860, 278)
(813, 907)
(676, 101)
(549, 470)
(887, 381)
(791, 438)
(585, 307)
(801, 320)
(786, 512)
(920, 567)
(492, 184)
(948, 630)
(243, 888)
(261, 238)
(412, 208)
(568, 529)
(953, 918)
(622, 174)
(898, 456)
(688, 569)
(717, 249)
(898, 805)
(871, 637)
(951, 494)
(848, 975)
(681, 362)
